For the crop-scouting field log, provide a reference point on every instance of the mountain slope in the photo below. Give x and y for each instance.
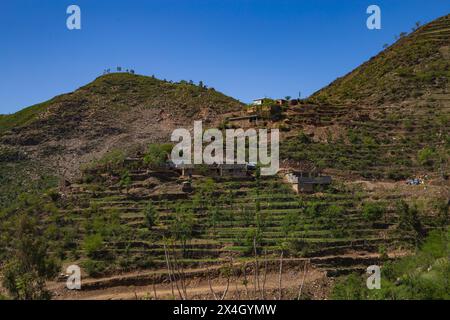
(114, 111)
(43, 143)
(388, 118)
(412, 67)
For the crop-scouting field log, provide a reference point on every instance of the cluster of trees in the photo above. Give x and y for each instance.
(119, 69)
(404, 34)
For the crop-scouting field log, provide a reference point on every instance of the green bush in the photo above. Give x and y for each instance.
(94, 268)
(426, 156)
(157, 154)
(150, 215)
(351, 287)
(93, 245)
(373, 211)
(125, 180)
(29, 264)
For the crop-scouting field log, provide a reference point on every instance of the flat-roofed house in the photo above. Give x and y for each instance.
(259, 101)
(232, 170)
(304, 181)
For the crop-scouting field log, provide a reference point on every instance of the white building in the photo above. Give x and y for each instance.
(258, 102)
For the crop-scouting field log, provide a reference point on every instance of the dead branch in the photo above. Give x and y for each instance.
(280, 276)
(265, 276)
(154, 290)
(168, 269)
(226, 289)
(245, 280)
(305, 271)
(210, 285)
(256, 273)
(180, 274)
(172, 268)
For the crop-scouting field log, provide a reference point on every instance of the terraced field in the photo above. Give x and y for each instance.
(385, 143)
(222, 219)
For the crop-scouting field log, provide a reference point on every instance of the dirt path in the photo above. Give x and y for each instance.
(199, 288)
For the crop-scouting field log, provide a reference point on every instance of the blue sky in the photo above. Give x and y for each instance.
(246, 48)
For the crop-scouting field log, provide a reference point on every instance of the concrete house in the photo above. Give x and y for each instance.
(232, 170)
(260, 101)
(303, 181)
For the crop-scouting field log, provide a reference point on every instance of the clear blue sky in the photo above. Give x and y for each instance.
(246, 48)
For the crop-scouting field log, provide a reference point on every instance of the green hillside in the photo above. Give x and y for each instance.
(410, 68)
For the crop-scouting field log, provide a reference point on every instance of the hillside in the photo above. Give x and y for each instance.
(116, 105)
(131, 225)
(387, 119)
(116, 111)
(414, 66)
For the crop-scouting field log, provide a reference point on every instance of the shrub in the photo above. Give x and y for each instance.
(125, 180)
(426, 156)
(94, 268)
(93, 244)
(351, 287)
(150, 215)
(303, 138)
(157, 154)
(373, 211)
(30, 265)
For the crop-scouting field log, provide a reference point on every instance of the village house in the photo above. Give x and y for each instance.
(260, 101)
(232, 170)
(223, 170)
(251, 118)
(306, 181)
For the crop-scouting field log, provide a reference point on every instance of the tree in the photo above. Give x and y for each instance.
(182, 225)
(150, 215)
(125, 180)
(288, 98)
(25, 273)
(410, 223)
(215, 216)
